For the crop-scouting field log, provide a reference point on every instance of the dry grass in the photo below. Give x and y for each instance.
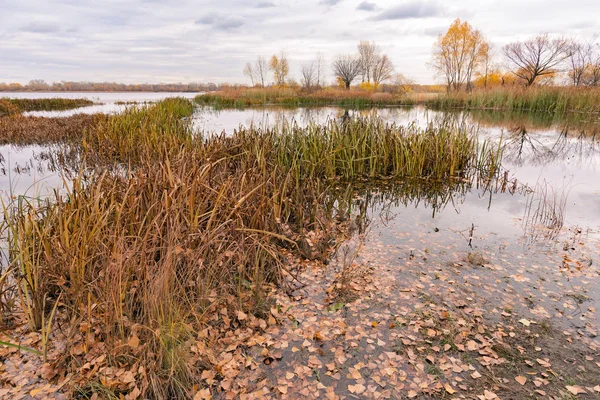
(293, 97)
(515, 98)
(36, 130)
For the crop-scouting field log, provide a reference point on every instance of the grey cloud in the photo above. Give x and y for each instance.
(41, 27)
(413, 9)
(367, 6)
(330, 2)
(208, 19)
(228, 23)
(220, 22)
(265, 4)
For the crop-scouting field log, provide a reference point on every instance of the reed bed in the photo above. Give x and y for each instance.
(241, 98)
(40, 130)
(366, 149)
(10, 106)
(135, 262)
(142, 132)
(556, 100)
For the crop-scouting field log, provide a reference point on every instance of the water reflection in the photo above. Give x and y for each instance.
(524, 147)
(210, 120)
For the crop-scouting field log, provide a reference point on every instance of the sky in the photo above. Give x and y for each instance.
(137, 41)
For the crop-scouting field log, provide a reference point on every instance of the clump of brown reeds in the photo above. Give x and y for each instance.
(36, 130)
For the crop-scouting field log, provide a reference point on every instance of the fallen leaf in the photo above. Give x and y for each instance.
(521, 379)
(576, 389)
(133, 342)
(449, 388)
(203, 394)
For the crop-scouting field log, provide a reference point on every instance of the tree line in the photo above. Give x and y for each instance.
(369, 63)
(38, 85)
(464, 58)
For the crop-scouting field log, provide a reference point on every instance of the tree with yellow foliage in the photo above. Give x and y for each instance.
(280, 68)
(458, 53)
(493, 79)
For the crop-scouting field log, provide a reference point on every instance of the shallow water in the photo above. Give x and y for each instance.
(32, 171)
(542, 243)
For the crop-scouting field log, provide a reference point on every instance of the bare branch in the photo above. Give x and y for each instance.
(347, 68)
(536, 57)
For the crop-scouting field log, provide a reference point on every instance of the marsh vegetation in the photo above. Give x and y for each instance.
(170, 251)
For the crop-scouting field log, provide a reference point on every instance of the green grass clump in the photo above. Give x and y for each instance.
(142, 132)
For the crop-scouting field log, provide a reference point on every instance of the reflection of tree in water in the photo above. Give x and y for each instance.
(540, 148)
(533, 121)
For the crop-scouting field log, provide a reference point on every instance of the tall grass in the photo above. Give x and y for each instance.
(295, 98)
(197, 224)
(538, 99)
(365, 148)
(10, 106)
(142, 132)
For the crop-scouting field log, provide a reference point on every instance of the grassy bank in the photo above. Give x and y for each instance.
(146, 268)
(17, 106)
(534, 99)
(295, 98)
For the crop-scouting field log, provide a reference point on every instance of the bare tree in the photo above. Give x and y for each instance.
(249, 72)
(309, 75)
(579, 57)
(261, 69)
(257, 71)
(536, 57)
(382, 69)
(584, 63)
(347, 68)
(367, 54)
(320, 64)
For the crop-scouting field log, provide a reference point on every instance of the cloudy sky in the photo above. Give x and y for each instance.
(210, 41)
